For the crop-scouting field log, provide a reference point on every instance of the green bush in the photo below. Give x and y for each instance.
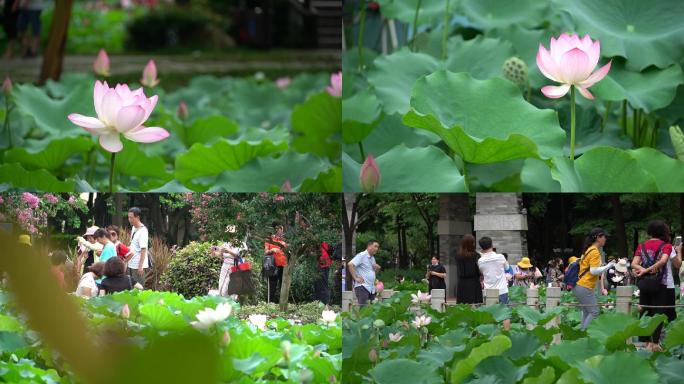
(168, 28)
(412, 277)
(306, 272)
(193, 271)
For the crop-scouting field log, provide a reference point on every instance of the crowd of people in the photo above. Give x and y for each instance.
(103, 264)
(655, 269)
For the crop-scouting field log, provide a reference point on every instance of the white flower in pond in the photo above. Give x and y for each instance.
(421, 321)
(210, 316)
(329, 317)
(420, 297)
(636, 293)
(259, 321)
(395, 337)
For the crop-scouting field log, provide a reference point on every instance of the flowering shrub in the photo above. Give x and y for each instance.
(32, 211)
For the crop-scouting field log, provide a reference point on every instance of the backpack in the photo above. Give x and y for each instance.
(573, 274)
(650, 283)
(268, 267)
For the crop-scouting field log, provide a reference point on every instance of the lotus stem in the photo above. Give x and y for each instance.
(624, 116)
(415, 25)
(363, 154)
(572, 122)
(111, 173)
(445, 34)
(635, 123)
(605, 116)
(362, 25)
(528, 96)
(8, 109)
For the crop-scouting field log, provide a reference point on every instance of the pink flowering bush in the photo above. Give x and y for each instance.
(31, 212)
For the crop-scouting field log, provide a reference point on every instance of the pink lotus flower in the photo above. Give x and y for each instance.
(421, 321)
(335, 87)
(120, 111)
(570, 62)
(125, 312)
(7, 86)
(369, 176)
(149, 78)
(396, 337)
(420, 297)
(283, 82)
(182, 111)
(101, 64)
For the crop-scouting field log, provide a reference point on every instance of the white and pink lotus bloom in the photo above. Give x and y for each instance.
(335, 87)
(420, 297)
(421, 321)
(396, 337)
(570, 61)
(120, 111)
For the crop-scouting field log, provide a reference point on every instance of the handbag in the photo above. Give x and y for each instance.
(241, 279)
(650, 282)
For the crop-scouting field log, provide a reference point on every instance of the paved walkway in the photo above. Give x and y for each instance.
(29, 69)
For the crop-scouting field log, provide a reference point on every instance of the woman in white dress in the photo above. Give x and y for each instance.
(87, 287)
(229, 251)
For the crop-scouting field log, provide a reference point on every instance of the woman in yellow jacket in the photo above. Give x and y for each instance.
(590, 271)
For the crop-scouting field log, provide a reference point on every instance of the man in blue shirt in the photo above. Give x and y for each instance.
(362, 269)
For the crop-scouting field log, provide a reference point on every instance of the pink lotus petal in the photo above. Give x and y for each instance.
(91, 124)
(129, 117)
(98, 94)
(335, 88)
(596, 76)
(111, 142)
(585, 92)
(554, 92)
(575, 67)
(546, 64)
(111, 103)
(147, 135)
(149, 105)
(594, 53)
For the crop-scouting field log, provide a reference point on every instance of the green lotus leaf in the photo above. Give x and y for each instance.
(677, 138)
(51, 157)
(669, 369)
(269, 173)
(611, 369)
(404, 371)
(316, 125)
(329, 181)
(502, 368)
(536, 177)
(645, 33)
(614, 328)
(482, 57)
(496, 347)
(408, 170)
(161, 318)
(492, 13)
(667, 172)
(405, 10)
(603, 169)
(483, 121)
(208, 129)
(394, 76)
(547, 376)
(360, 114)
(201, 160)
(649, 90)
(39, 180)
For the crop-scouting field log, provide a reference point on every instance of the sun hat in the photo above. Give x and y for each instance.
(621, 266)
(525, 263)
(25, 240)
(572, 259)
(91, 231)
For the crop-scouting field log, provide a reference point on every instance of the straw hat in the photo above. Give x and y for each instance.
(525, 263)
(621, 266)
(91, 231)
(572, 259)
(25, 240)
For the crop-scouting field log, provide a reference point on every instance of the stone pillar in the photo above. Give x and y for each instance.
(437, 298)
(454, 222)
(491, 296)
(553, 299)
(502, 217)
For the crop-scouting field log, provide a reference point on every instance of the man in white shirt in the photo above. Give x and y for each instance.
(138, 262)
(493, 267)
(362, 269)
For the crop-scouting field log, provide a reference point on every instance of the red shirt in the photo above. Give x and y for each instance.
(279, 254)
(122, 250)
(324, 261)
(652, 246)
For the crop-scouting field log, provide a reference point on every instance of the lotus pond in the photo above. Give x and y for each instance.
(389, 343)
(221, 133)
(149, 336)
(463, 95)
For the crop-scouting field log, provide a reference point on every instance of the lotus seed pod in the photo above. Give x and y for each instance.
(515, 70)
(379, 323)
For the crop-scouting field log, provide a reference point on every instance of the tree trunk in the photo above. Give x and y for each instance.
(53, 56)
(285, 284)
(620, 231)
(100, 214)
(117, 219)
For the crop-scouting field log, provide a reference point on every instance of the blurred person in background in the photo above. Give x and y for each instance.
(115, 278)
(29, 14)
(87, 286)
(10, 17)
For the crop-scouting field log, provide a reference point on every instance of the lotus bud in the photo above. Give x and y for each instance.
(182, 111)
(515, 70)
(101, 64)
(373, 355)
(369, 177)
(226, 339)
(125, 312)
(379, 323)
(286, 347)
(7, 86)
(286, 187)
(149, 77)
